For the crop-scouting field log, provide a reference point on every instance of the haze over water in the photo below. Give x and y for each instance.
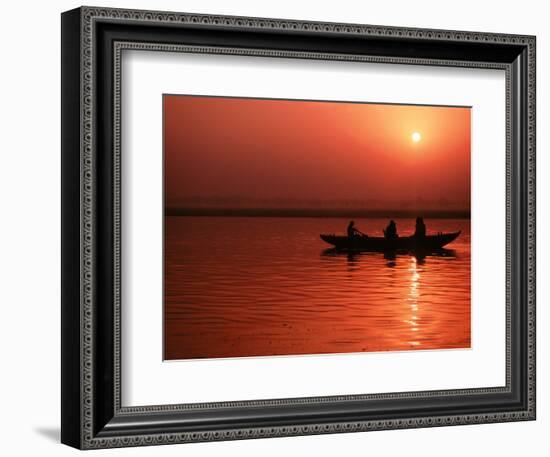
(261, 286)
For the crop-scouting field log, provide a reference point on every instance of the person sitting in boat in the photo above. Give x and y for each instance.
(420, 229)
(352, 231)
(390, 233)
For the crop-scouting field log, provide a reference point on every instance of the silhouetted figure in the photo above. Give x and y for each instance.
(391, 231)
(352, 231)
(420, 230)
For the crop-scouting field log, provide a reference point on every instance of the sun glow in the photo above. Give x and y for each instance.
(416, 137)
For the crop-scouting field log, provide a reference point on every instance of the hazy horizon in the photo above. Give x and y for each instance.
(316, 212)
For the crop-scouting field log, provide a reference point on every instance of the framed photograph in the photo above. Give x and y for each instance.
(274, 227)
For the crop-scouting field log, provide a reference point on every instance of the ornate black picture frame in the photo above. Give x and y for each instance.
(92, 42)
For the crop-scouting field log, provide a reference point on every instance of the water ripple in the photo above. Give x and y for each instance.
(264, 286)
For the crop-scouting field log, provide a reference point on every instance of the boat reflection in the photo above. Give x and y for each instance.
(354, 257)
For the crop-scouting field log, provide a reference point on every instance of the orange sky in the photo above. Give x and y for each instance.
(227, 152)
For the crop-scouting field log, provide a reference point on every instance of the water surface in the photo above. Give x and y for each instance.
(257, 286)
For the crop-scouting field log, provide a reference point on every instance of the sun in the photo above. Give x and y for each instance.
(416, 137)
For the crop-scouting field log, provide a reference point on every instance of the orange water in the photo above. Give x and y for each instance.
(237, 287)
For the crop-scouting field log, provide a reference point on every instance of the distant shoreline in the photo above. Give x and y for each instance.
(326, 213)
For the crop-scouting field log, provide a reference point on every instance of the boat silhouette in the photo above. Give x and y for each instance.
(426, 243)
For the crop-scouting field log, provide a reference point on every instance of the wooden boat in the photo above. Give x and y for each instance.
(429, 243)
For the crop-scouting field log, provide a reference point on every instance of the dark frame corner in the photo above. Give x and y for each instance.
(92, 40)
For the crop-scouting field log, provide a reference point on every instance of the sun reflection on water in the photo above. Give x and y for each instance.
(414, 294)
